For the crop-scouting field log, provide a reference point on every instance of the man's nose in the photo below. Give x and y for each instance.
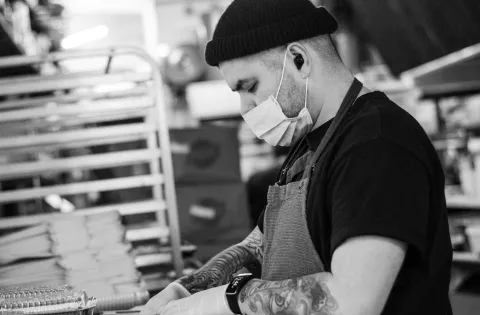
(247, 104)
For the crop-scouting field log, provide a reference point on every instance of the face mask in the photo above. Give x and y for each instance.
(268, 122)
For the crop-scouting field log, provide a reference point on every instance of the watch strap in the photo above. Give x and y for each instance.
(233, 290)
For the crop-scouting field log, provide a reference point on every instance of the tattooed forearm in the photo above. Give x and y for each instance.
(219, 270)
(307, 295)
(248, 254)
(254, 242)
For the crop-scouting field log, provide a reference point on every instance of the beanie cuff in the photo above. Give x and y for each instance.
(310, 24)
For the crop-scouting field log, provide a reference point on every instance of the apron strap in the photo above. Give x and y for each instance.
(347, 103)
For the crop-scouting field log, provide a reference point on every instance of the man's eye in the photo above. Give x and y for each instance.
(253, 88)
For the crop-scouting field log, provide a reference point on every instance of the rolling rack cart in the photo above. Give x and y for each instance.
(42, 115)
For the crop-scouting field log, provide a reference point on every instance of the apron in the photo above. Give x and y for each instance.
(288, 248)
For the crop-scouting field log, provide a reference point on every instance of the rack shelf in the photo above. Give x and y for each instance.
(148, 233)
(463, 202)
(124, 209)
(468, 258)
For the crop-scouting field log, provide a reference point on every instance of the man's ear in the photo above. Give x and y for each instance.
(300, 58)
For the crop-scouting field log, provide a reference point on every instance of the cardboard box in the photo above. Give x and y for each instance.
(209, 214)
(205, 154)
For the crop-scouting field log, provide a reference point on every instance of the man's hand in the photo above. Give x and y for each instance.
(208, 302)
(217, 272)
(172, 292)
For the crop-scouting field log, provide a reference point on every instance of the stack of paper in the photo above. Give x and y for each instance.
(86, 252)
(26, 258)
(30, 243)
(93, 254)
(32, 273)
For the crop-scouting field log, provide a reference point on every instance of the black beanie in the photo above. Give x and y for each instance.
(248, 27)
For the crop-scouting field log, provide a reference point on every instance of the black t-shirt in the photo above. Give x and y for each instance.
(381, 176)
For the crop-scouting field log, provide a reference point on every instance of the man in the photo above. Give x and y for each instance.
(357, 222)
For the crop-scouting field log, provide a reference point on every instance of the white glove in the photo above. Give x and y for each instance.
(172, 292)
(208, 302)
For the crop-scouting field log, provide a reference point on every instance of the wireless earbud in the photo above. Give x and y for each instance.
(298, 60)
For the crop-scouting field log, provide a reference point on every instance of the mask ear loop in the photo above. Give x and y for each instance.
(283, 72)
(306, 92)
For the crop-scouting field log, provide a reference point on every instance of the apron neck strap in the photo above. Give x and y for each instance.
(347, 103)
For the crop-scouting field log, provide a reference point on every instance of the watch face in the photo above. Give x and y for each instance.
(230, 291)
(232, 288)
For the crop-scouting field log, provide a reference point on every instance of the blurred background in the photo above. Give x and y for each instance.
(124, 161)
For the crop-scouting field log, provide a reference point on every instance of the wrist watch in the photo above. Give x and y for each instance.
(233, 290)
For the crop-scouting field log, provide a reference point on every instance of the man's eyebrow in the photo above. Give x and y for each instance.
(239, 86)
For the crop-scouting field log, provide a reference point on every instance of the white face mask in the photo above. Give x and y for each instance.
(268, 122)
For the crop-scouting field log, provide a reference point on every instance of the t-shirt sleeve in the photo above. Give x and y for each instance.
(381, 189)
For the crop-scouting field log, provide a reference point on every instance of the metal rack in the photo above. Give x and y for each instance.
(65, 111)
(453, 74)
(456, 74)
